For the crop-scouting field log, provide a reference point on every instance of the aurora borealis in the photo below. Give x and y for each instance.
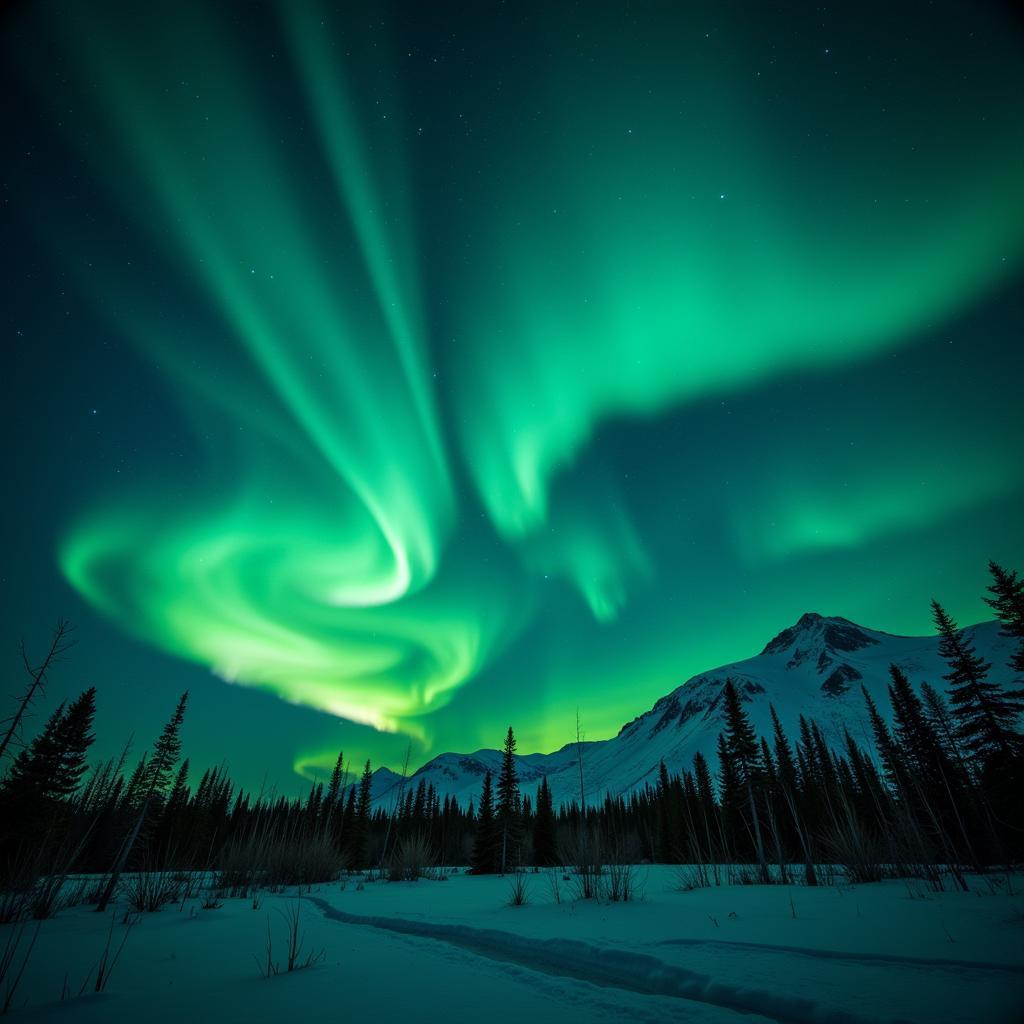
(431, 369)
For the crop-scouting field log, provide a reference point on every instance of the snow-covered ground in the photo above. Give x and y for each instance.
(456, 950)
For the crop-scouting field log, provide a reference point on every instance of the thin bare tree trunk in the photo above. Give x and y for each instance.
(58, 645)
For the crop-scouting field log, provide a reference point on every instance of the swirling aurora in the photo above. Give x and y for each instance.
(497, 374)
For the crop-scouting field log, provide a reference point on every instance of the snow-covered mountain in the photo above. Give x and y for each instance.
(815, 668)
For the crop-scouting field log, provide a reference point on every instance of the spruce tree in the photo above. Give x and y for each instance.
(744, 752)
(37, 765)
(544, 844)
(939, 717)
(74, 739)
(179, 791)
(166, 752)
(359, 847)
(789, 787)
(667, 840)
(729, 788)
(154, 777)
(786, 768)
(710, 824)
(487, 845)
(337, 780)
(985, 714)
(888, 752)
(1007, 601)
(923, 749)
(170, 834)
(509, 803)
(348, 817)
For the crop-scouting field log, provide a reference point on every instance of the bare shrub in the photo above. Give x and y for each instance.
(108, 955)
(10, 971)
(213, 900)
(854, 848)
(80, 891)
(150, 891)
(242, 863)
(304, 860)
(411, 859)
(582, 850)
(554, 883)
(519, 888)
(293, 945)
(46, 897)
(623, 883)
(13, 905)
(261, 860)
(36, 881)
(622, 878)
(692, 876)
(745, 874)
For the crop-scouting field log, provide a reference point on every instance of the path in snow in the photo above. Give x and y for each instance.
(615, 968)
(860, 958)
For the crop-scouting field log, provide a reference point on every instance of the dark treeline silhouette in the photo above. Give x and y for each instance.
(934, 795)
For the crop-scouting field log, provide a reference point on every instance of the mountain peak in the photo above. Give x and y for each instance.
(820, 633)
(809, 619)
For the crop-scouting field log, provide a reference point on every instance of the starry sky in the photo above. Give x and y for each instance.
(391, 374)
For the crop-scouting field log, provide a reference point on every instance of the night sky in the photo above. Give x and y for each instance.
(424, 368)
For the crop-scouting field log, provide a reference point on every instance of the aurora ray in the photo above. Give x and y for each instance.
(506, 370)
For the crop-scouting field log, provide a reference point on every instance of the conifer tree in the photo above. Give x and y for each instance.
(174, 811)
(509, 803)
(544, 847)
(74, 739)
(179, 791)
(788, 782)
(742, 746)
(1007, 601)
(710, 823)
(786, 768)
(487, 845)
(31, 776)
(892, 763)
(926, 757)
(35, 796)
(359, 848)
(348, 817)
(985, 714)
(166, 751)
(938, 715)
(27, 795)
(131, 795)
(337, 780)
(154, 777)
(667, 838)
(730, 820)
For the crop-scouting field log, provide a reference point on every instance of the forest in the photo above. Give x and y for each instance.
(934, 797)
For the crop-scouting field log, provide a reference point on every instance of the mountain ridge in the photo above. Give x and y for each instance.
(813, 668)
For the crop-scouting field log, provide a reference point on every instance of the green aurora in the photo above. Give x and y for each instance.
(538, 379)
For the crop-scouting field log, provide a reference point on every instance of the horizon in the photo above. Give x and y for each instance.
(387, 381)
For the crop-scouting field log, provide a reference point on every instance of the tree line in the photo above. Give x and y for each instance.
(933, 795)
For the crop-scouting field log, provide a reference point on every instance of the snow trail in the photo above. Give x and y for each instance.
(941, 963)
(613, 968)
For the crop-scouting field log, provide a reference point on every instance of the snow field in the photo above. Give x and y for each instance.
(455, 950)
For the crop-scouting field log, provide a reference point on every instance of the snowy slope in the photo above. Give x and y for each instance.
(815, 668)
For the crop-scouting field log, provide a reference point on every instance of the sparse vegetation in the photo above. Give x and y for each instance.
(519, 888)
(294, 944)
